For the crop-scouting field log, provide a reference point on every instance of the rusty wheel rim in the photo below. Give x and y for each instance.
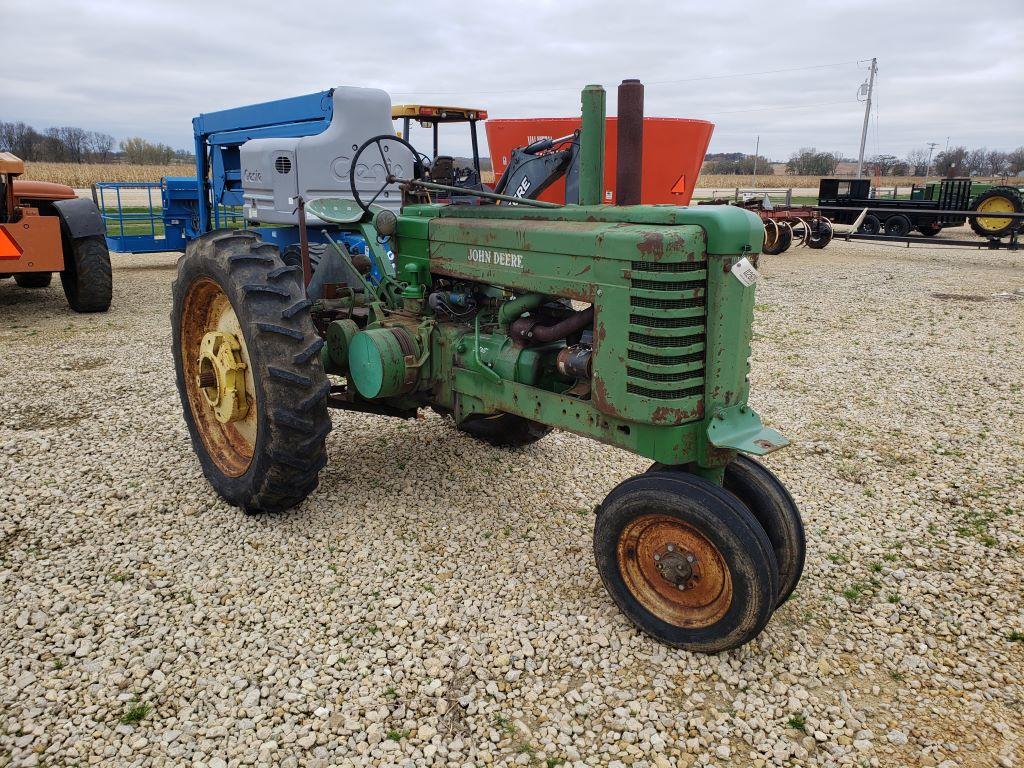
(674, 571)
(230, 445)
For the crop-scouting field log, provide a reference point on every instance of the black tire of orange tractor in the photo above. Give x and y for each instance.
(284, 351)
(720, 518)
(821, 234)
(34, 279)
(87, 279)
(505, 430)
(774, 508)
(1013, 196)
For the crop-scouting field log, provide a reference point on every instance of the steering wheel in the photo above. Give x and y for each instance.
(381, 143)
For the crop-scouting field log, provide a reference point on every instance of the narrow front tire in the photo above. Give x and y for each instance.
(685, 561)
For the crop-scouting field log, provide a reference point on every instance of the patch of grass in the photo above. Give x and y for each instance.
(838, 558)
(120, 578)
(504, 725)
(59, 663)
(897, 676)
(526, 748)
(390, 693)
(396, 735)
(428, 588)
(799, 722)
(854, 591)
(890, 557)
(135, 713)
(551, 762)
(1015, 636)
(876, 567)
(893, 598)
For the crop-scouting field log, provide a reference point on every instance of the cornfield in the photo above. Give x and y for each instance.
(82, 176)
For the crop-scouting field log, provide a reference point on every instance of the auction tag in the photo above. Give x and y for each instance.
(745, 271)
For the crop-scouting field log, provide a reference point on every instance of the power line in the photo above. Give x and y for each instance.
(783, 106)
(651, 82)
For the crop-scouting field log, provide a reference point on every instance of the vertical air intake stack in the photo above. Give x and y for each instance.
(629, 171)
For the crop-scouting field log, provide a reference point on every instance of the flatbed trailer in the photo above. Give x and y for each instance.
(842, 200)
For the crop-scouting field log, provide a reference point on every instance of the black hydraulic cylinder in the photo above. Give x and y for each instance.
(629, 170)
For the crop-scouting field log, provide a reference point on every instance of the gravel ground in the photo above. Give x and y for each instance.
(430, 605)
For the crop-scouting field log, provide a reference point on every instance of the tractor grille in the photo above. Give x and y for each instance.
(665, 351)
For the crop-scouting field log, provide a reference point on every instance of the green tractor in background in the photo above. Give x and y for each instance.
(995, 199)
(629, 324)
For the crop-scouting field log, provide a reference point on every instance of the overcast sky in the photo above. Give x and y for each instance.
(146, 67)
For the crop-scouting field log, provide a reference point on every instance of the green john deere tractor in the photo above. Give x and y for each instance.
(629, 324)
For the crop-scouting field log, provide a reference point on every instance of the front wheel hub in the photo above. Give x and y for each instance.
(221, 377)
(677, 565)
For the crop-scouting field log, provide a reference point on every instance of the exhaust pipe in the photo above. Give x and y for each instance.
(630, 164)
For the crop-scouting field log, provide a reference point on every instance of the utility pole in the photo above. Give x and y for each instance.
(928, 168)
(753, 176)
(867, 115)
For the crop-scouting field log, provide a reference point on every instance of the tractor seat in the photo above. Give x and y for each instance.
(442, 171)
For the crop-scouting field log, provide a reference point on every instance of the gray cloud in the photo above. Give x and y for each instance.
(146, 68)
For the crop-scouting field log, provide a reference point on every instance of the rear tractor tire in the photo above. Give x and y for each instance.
(993, 201)
(505, 430)
(87, 278)
(34, 279)
(685, 561)
(248, 370)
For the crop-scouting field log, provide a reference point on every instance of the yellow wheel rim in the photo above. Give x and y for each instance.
(207, 312)
(994, 205)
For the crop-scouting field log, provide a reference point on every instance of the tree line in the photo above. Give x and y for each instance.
(69, 144)
(808, 161)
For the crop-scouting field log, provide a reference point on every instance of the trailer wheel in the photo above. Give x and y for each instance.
(685, 561)
(820, 233)
(780, 242)
(34, 279)
(992, 201)
(247, 363)
(505, 429)
(87, 278)
(929, 230)
(897, 226)
(871, 225)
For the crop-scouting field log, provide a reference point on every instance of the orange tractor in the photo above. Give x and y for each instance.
(46, 228)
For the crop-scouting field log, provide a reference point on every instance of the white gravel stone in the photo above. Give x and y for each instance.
(435, 603)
